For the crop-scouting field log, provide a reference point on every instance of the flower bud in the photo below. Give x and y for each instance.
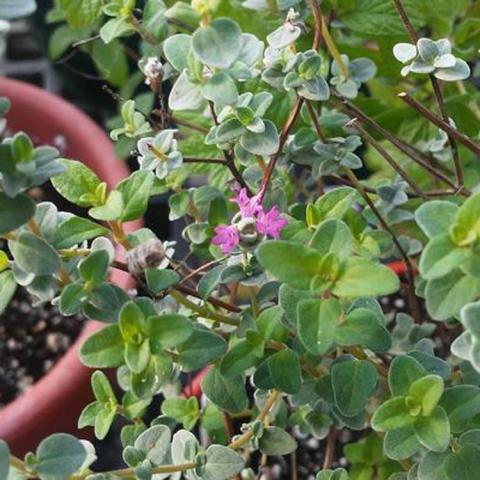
(149, 254)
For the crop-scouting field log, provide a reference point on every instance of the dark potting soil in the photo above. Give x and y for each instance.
(32, 339)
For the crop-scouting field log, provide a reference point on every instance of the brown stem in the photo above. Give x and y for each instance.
(330, 449)
(437, 92)
(388, 158)
(229, 159)
(214, 301)
(413, 300)
(406, 21)
(445, 126)
(189, 125)
(218, 161)
(315, 121)
(453, 144)
(404, 147)
(317, 15)
(283, 138)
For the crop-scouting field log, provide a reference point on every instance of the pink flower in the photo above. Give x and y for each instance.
(271, 223)
(249, 207)
(227, 238)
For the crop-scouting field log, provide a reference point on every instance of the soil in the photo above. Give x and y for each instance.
(32, 339)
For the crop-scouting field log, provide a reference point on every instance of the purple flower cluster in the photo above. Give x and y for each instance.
(268, 223)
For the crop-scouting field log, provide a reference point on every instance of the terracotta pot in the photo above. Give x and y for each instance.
(54, 403)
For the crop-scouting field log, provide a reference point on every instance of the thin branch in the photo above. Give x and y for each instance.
(443, 125)
(189, 125)
(388, 158)
(283, 137)
(436, 90)
(229, 158)
(247, 436)
(406, 21)
(404, 147)
(214, 301)
(317, 15)
(453, 144)
(413, 300)
(315, 121)
(218, 161)
(330, 449)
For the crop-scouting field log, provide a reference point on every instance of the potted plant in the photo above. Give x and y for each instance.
(283, 310)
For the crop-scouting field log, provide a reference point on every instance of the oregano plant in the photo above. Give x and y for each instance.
(305, 146)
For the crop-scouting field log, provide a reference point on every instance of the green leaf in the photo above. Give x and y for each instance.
(332, 236)
(209, 281)
(445, 296)
(77, 182)
(202, 348)
(22, 147)
(289, 262)
(176, 49)
(404, 370)
(81, 13)
(433, 431)
(400, 444)
(15, 212)
(94, 268)
(466, 226)
(242, 356)
(218, 44)
(168, 331)
(264, 143)
(441, 256)
(337, 474)
(4, 459)
(221, 89)
(103, 422)
(222, 463)
(392, 415)
(317, 321)
(101, 388)
(155, 444)
(8, 286)
(363, 327)
(352, 281)
(76, 230)
(353, 382)
(111, 61)
(284, 368)
(435, 217)
(104, 348)
(154, 20)
(137, 356)
(376, 17)
(72, 299)
(183, 410)
(111, 210)
(159, 280)
(227, 393)
(135, 192)
(462, 404)
(427, 392)
(32, 254)
(59, 456)
(276, 441)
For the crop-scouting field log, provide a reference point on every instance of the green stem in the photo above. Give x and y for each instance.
(332, 48)
(202, 310)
